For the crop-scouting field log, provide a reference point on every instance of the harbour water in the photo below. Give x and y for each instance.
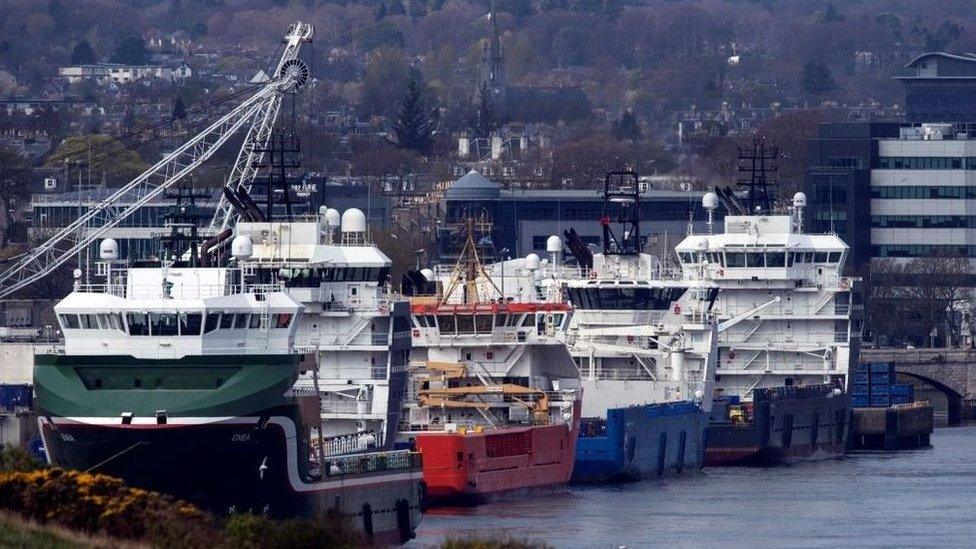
(918, 498)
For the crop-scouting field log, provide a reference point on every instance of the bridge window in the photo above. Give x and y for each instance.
(163, 324)
(213, 320)
(775, 259)
(447, 323)
(282, 320)
(138, 323)
(754, 259)
(820, 257)
(735, 259)
(240, 321)
(88, 322)
(190, 323)
(69, 322)
(255, 322)
(227, 321)
(482, 324)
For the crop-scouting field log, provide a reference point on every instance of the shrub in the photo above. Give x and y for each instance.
(253, 532)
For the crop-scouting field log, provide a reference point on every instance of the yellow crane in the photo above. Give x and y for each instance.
(447, 397)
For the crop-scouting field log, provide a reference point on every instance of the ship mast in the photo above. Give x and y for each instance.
(469, 272)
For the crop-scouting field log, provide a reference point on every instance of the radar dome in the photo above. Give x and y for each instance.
(353, 221)
(554, 244)
(242, 247)
(108, 249)
(333, 217)
(799, 200)
(532, 262)
(427, 274)
(323, 210)
(710, 201)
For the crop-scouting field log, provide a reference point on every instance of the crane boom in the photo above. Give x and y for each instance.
(259, 134)
(57, 250)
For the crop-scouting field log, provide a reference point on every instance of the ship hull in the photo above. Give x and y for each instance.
(796, 426)
(639, 442)
(474, 467)
(255, 461)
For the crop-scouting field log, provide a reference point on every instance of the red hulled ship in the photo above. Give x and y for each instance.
(494, 402)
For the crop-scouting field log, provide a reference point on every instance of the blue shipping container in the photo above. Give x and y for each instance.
(879, 389)
(881, 379)
(15, 396)
(860, 378)
(901, 389)
(859, 389)
(901, 399)
(862, 368)
(882, 400)
(860, 401)
(880, 367)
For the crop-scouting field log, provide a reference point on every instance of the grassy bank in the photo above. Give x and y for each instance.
(17, 532)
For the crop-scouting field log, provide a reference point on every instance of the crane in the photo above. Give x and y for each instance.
(260, 110)
(446, 397)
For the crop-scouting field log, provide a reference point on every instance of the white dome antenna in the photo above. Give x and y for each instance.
(710, 203)
(108, 250)
(428, 274)
(554, 246)
(353, 227)
(532, 262)
(242, 247)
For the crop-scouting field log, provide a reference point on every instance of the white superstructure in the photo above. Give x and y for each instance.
(359, 334)
(168, 313)
(804, 338)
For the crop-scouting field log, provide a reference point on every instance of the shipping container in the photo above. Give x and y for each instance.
(15, 396)
(902, 389)
(861, 368)
(901, 399)
(881, 379)
(880, 400)
(859, 389)
(880, 367)
(860, 378)
(860, 401)
(879, 389)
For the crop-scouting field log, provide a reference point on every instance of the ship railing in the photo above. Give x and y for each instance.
(339, 405)
(349, 443)
(189, 291)
(376, 462)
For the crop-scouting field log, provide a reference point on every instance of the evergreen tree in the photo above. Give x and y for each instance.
(416, 121)
(179, 109)
(485, 119)
(57, 12)
(627, 127)
(816, 78)
(831, 15)
(396, 8)
(132, 50)
(83, 54)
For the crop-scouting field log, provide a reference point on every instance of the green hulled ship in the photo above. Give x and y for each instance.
(181, 380)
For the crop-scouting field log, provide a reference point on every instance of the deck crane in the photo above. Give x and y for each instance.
(260, 110)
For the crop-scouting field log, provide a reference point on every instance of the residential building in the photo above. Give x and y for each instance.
(105, 73)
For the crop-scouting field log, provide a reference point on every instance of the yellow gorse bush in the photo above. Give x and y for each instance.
(99, 503)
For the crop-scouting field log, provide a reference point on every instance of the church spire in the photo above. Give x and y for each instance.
(493, 65)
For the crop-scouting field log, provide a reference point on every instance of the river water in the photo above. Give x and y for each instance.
(916, 498)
